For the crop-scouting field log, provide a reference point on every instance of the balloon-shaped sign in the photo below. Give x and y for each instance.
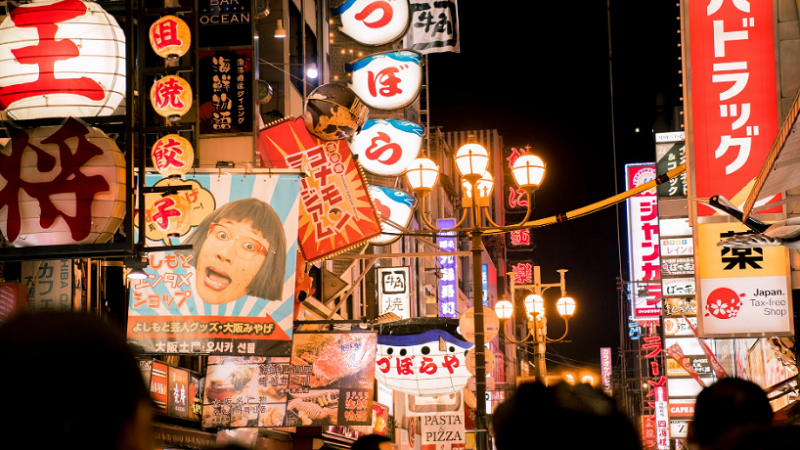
(422, 357)
(389, 80)
(374, 22)
(387, 147)
(394, 205)
(334, 112)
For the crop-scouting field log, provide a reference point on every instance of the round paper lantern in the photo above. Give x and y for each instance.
(422, 356)
(172, 156)
(387, 147)
(61, 59)
(170, 37)
(171, 97)
(388, 80)
(170, 215)
(60, 186)
(372, 22)
(334, 112)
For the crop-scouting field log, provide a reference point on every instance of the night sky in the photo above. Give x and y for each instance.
(538, 72)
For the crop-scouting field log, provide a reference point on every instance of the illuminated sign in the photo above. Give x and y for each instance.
(394, 205)
(387, 147)
(373, 22)
(170, 37)
(605, 368)
(171, 97)
(394, 291)
(389, 80)
(448, 298)
(172, 155)
(643, 243)
(485, 283)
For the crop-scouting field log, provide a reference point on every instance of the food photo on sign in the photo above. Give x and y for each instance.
(233, 293)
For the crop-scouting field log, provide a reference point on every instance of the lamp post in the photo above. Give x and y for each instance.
(537, 321)
(472, 161)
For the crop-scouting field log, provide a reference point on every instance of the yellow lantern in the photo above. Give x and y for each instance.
(171, 215)
(171, 97)
(172, 156)
(170, 37)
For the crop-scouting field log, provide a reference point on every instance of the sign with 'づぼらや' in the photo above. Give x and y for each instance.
(444, 428)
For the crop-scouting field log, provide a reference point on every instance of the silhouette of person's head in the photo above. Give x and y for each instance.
(761, 438)
(70, 380)
(372, 442)
(555, 413)
(729, 404)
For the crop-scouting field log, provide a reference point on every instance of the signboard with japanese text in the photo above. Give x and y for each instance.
(742, 291)
(519, 239)
(699, 364)
(677, 287)
(48, 284)
(422, 357)
(670, 155)
(394, 291)
(733, 93)
(643, 247)
(605, 369)
(434, 27)
(388, 80)
(516, 200)
(662, 418)
(677, 327)
(373, 22)
(677, 246)
(336, 213)
(224, 23)
(233, 293)
(448, 280)
(387, 147)
(225, 92)
(522, 271)
(329, 380)
(679, 306)
(677, 266)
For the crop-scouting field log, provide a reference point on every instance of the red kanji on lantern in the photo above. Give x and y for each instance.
(388, 81)
(427, 366)
(169, 93)
(384, 364)
(404, 366)
(45, 19)
(385, 17)
(165, 33)
(165, 208)
(165, 153)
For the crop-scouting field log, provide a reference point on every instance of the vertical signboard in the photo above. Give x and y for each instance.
(743, 291)
(434, 27)
(733, 96)
(605, 369)
(662, 418)
(394, 291)
(48, 284)
(643, 244)
(225, 91)
(671, 153)
(448, 286)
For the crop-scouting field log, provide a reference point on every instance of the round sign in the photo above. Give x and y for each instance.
(488, 357)
(171, 97)
(373, 23)
(172, 155)
(170, 37)
(388, 80)
(387, 147)
(490, 384)
(491, 324)
(264, 92)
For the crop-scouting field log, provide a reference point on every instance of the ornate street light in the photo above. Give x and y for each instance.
(472, 161)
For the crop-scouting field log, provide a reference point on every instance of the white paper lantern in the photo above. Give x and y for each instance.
(387, 147)
(387, 81)
(61, 185)
(374, 22)
(61, 59)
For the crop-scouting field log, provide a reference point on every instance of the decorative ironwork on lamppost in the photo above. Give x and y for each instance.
(536, 333)
(472, 160)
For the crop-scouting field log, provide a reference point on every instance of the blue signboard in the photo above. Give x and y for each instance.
(447, 265)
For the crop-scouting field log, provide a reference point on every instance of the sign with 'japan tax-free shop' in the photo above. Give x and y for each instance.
(741, 292)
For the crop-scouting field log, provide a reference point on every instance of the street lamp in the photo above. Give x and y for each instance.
(472, 161)
(537, 321)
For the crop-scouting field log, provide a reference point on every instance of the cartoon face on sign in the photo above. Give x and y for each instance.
(394, 205)
(387, 147)
(374, 22)
(426, 363)
(388, 80)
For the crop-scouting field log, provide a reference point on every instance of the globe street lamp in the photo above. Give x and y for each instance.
(472, 160)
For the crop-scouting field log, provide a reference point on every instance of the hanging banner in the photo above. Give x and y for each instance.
(742, 292)
(329, 380)
(336, 213)
(434, 27)
(233, 293)
(643, 244)
(394, 291)
(734, 110)
(225, 91)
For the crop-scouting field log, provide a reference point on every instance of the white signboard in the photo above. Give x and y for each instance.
(677, 287)
(394, 291)
(643, 242)
(389, 80)
(443, 429)
(387, 147)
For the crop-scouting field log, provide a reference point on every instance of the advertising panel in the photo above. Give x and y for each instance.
(224, 23)
(670, 155)
(427, 35)
(233, 293)
(442, 430)
(48, 284)
(734, 112)
(643, 244)
(336, 212)
(677, 266)
(394, 291)
(605, 369)
(742, 291)
(448, 279)
(662, 418)
(681, 409)
(677, 287)
(387, 147)
(329, 380)
(225, 91)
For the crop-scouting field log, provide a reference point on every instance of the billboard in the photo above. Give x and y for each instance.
(233, 293)
(643, 244)
(448, 287)
(394, 291)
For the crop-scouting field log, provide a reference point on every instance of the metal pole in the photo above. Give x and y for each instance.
(538, 341)
(481, 441)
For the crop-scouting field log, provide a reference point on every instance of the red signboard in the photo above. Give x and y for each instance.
(733, 96)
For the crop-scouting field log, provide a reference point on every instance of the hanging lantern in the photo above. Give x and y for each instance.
(171, 97)
(371, 22)
(388, 80)
(422, 356)
(170, 37)
(172, 156)
(387, 147)
(170, 215)
(60, 186)
(61, 59)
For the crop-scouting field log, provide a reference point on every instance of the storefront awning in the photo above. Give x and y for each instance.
(780, 170)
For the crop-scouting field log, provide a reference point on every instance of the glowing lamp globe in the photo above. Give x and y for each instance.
(528, 171)
(485, 186)
(170, 215)
(504, 309)
(472, 160)
(534, 304)
(171, 97)
(422, 174)
(172, 156)
(566, 306)
(61, 59)
(170, 37)
(49, 196)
